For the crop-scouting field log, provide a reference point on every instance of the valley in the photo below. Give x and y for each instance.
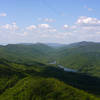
(43, 72)
(62, 67)
(49, 49)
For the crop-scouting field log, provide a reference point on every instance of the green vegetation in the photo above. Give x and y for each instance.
(26, 53)
(37, 81)
(25, 72)
(83, 56)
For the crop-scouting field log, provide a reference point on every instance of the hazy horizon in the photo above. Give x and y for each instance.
(49, 43)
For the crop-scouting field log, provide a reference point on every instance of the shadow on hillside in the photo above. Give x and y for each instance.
(77, 80)
(81, 81)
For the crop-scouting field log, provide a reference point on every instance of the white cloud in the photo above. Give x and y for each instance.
(66, 26)
(41, 28)
(11, 27)
(3, 14)
(88, 25)
(31, 27)
(44, 26)
(24, 34)
(84, 29)
(83, 20)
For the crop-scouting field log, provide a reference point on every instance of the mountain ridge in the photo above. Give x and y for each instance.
(87, 54)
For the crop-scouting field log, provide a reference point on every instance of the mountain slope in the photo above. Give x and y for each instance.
(44, 89)
(83, 56)
(23, 52)
(42, 82)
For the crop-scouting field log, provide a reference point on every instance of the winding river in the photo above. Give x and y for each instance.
(65, 69)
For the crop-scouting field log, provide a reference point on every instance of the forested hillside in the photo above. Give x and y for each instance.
(38, 81)
(26, 52)
(82, 56)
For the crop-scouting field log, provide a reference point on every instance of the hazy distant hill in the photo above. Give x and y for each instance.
(56, 45)
(23, 52)
(82, 56)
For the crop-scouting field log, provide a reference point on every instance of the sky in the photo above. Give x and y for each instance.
(49, 21)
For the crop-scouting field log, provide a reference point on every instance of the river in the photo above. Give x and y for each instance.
(65, 69)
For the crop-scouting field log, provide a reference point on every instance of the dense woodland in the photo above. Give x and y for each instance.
(25, 72)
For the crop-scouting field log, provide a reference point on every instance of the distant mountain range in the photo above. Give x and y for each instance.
(27, 74)
(83, 56)
(56, 44)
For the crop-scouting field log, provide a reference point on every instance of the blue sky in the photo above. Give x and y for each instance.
(60, 21)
